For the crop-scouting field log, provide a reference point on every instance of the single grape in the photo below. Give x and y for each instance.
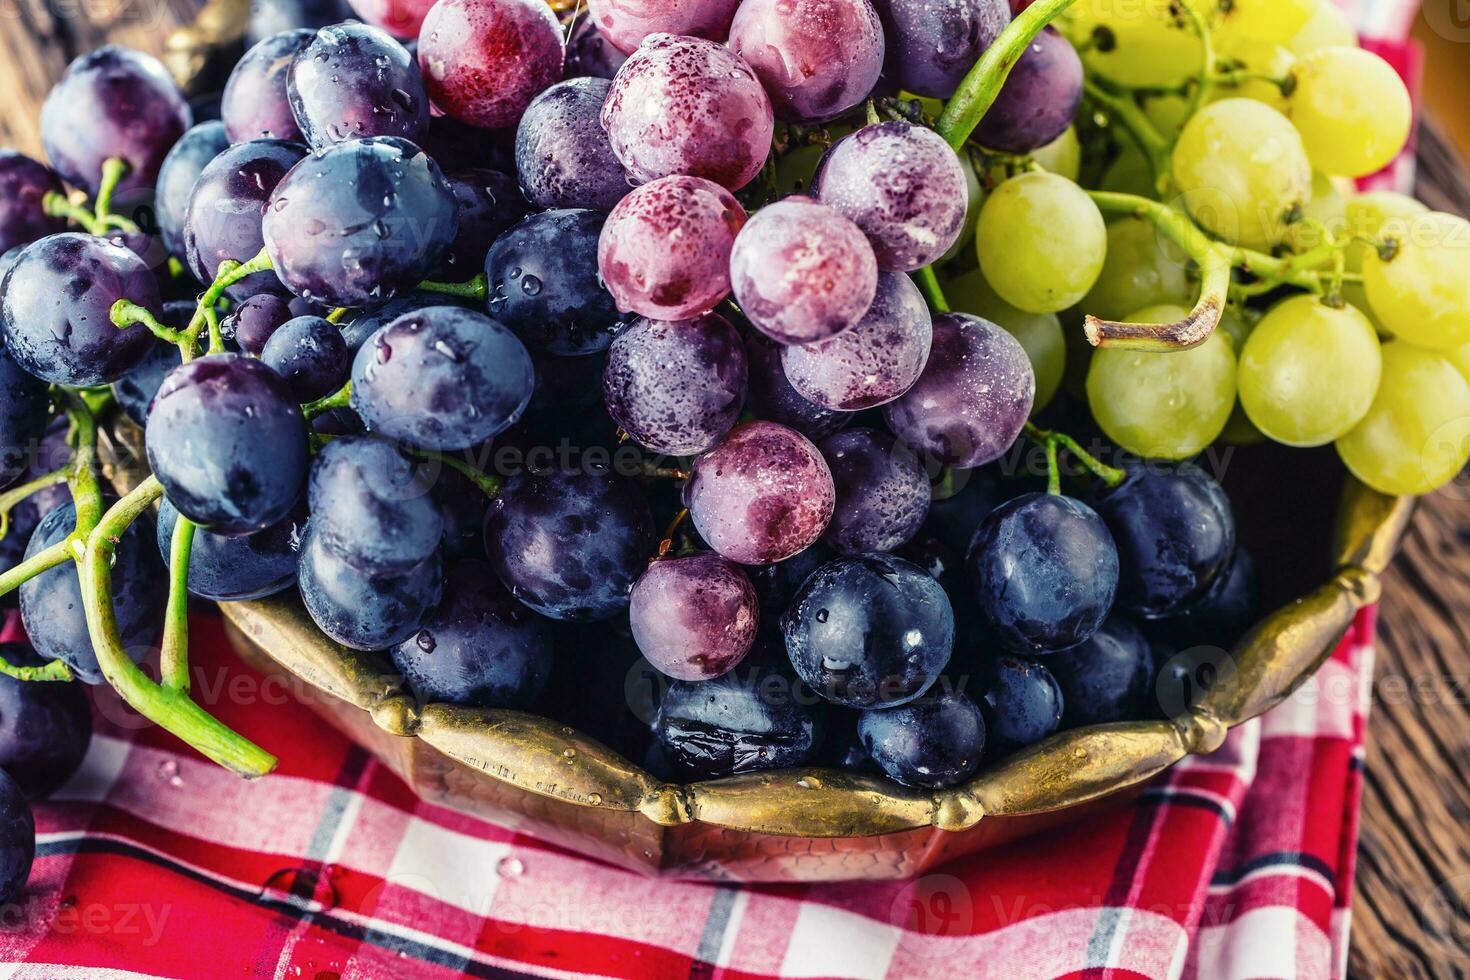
(772, 398)
(17, 840)
(74, 342)
(177, 175)
(354, 81)
(973, 398)
(802, 272)
(1309, 371)
(676, 388)
(1044, 571)
(233, 569)
(684, 105)
(362, 611)
(401, 18)
(563, 155)
(1265, 21)
(271, 17)
(1227, 611)
(371, 506)
(23, 185)
(544, 284)
(870, 631)
(761, 495)
(1040, 334)
(627, 23)
(903, 186)
(24, 406)
(873, 362)
(1422, 293)
(932, 743)
(44, 728)
(816, 58)
(311, 355)
(932, 46)
(113, 102)
(1136, 44)
(1416, 437)
(570, 543)
(1041, 242)
(1352, 110)
(359, 222)
(488, 202)
(51, 603)
(1367, 217)
(1021, 702)
(882, 491)
(1328, 27)
(223, 218)
(1175, 534)
(694, 618)
(1039, 99)
(1106, 678)
(1242, 169)
(485, 60)
(589, 54)
(1163, 405)
(254, 104)
(227, 440)
(1062, 156)
(664, 251)
(252, 324)
(1142, 269)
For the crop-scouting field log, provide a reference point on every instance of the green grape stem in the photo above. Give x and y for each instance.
(1052, 441)
(15, 495)
(338, 315)
(1139, 127)
(99, 218)
(341, 398)
(230, 272)
(933, 292)
(60, 206)
(56, 670)
(174, 658)
(42, 561)
(126, 313)
(113, 171)
(477, 288)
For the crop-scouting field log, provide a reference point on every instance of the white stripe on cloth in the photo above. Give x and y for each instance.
(1274, 941)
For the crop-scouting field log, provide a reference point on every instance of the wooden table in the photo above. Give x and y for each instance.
(1411, 913)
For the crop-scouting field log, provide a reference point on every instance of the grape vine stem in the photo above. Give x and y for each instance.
(1052, 441)
(15, 495)
(477, 288)
(174, 658)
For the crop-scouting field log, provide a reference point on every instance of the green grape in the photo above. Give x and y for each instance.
(1062, 156)
(1143, 268)
(1309, 372)
(1352, 110)
(1325, 212)
(1168, 113)
(974, 197)
(1328, 27)
(1039, 333)
(1137, 44)
(1460, 358)
(1422, 294)
(1416, 437)
(1242, 170)
(1130, 173)
(1041, 242)
(1163, 405)
(1256, 58)
(1269, 21)
(1373, 215)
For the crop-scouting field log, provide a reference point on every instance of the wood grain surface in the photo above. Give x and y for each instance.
(1411, 910)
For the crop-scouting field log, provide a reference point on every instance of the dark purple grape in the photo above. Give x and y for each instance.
(354, 81)
(255, 105)
(933, 743)
(17, 841)
(694, 618)
(311, 354)
(761, 495)
(1226, 613)
(227, 205)
(270, 17)
(113, 102)
(589, 53)
(489, 202)
(479, 647)
(1044, 571)
(462, 508)
(358, 330)
(44, 728)
(1106, 678)
(875, 361)
(24, 184)
(1021, 701)
(360, 222)
(235, 569)
(684, 105)
(544, 284)
(370, 505)
(903, 186)
(933, 46)
(255, 320)
(570, 543)
(562, 153)
(24, 406)
(51, 603)
(485, 60)
(1039, 100)
(56, 304)
(1175, 533)
(882, 491)
(973, 398)
(869, 631)
(362, 611)
(442, 378)
(227, 440)
(176, 178)
(676, 388)
(773, 399)
(816, 58)
(134, 391)
(802, 272)
(628, 23)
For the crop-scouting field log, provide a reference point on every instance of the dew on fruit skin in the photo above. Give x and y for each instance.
(510, 867)
(168, 771)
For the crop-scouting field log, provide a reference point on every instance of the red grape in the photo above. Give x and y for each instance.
(872, 363)
(255, 103)
(23, 185)
(932, 46)
(683, 105)
(802, 272)
(762, 495)
(694, 618)
(1039, 100)
(401, 18)
(485, 60)
(816, 58)
(882, 492)
(665, 249)
(627, 22)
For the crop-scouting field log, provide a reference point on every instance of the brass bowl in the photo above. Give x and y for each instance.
(546, 779)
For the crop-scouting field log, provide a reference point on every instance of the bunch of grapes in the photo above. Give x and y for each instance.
(697, 341)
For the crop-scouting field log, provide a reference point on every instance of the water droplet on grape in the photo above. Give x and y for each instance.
(510, 867)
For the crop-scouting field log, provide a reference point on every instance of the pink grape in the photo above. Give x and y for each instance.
(694, 618)
(762, 495)
(664, 252)
(401, 18)
(874, 362)
(684, 105)
(676, 388)
(802, 272)
(882, 492)
(973, 398)
(816, 58)
(485, 60)
(903, 186)
(627, 22)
